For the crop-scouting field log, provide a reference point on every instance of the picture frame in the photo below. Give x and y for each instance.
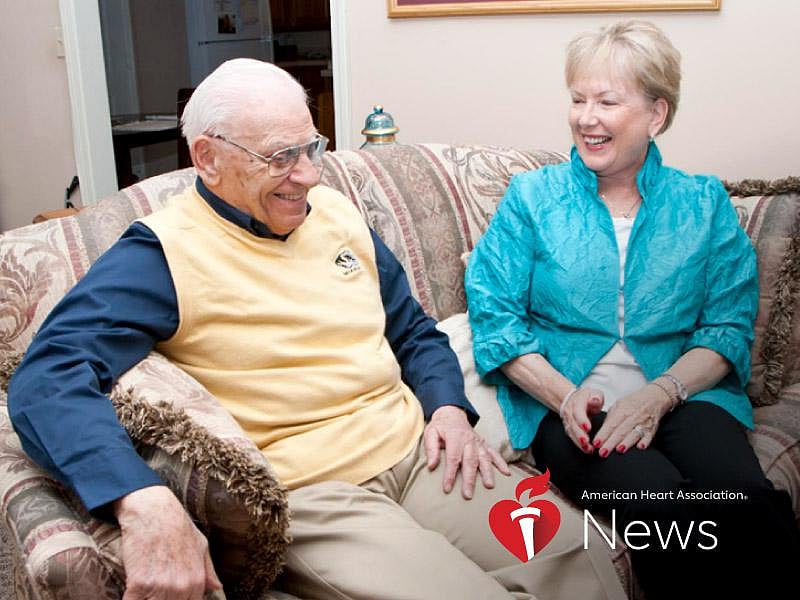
(445, 8)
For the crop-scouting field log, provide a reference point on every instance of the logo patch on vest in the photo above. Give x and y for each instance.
(347, 262)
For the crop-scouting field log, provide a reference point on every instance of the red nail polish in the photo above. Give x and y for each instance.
(603, 453)
(584, 441)
(598, 443)
(586, 427)
(642, 446)
(621, 448)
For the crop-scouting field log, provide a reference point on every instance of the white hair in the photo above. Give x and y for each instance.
(221, 97)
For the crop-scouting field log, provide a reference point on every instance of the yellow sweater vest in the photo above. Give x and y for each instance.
(289, 336)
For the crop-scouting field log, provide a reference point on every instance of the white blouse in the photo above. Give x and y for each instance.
(617, 373)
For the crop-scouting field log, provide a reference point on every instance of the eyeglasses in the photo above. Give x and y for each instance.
(283, 161)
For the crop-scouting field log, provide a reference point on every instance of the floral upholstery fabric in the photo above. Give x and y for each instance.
(430, 203)
(40, 263)
(222, 479)
(776, 439)
(772, 224)
(57, 544)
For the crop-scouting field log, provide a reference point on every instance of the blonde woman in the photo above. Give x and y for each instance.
(612, 300)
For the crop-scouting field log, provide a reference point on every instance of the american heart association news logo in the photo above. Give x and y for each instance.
(526, 530)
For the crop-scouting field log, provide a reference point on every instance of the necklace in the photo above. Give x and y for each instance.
(626, 213)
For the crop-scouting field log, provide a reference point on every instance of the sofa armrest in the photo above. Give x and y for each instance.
(199, 451)
(776, 440)
(60, 548)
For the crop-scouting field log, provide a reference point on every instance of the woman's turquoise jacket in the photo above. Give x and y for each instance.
(544, 278)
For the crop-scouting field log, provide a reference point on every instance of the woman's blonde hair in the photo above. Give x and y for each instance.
(639, 51)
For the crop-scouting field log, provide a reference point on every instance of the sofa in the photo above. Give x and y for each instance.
(430, 203)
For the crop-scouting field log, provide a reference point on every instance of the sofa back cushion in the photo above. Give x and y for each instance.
(430, 203)
(40, 263)
(769, 211)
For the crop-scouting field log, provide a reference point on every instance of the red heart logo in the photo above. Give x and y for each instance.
(508, 531)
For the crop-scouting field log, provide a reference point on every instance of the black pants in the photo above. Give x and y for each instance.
(699, 447)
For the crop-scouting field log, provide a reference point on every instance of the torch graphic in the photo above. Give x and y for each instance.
(512, 522)
(525, 517)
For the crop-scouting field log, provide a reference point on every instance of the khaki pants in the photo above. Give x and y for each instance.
(399, 537)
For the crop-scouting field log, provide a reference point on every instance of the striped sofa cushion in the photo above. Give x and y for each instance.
(769, 211)
(430, 203)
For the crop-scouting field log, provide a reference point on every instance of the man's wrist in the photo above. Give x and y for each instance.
(449, 409)
(429, 409)
(138, 501)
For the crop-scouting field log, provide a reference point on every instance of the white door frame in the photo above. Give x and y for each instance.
(91, 118)
(340, 57)
(88, 93)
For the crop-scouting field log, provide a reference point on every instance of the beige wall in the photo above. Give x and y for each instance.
(491, 79)
(36, 152)
(498, 80)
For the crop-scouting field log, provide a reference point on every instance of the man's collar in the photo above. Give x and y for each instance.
(238, 217)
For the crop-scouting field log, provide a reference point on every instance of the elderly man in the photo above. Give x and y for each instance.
(274, 294)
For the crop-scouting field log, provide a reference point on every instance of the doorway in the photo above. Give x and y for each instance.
(155, 49)
(301, 31)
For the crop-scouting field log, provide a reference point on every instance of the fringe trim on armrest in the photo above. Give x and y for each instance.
(762, 187)
(254, 485)
(778, 332)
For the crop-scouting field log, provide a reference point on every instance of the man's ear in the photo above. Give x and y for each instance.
(205, 159)
(660, 110)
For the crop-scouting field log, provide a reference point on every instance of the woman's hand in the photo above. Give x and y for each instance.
(575, 411)
(633, 420)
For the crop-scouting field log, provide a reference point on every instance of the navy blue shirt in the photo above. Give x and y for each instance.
(114, 317)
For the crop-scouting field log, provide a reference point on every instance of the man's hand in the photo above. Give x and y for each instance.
(450, 429)
(165, 555)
